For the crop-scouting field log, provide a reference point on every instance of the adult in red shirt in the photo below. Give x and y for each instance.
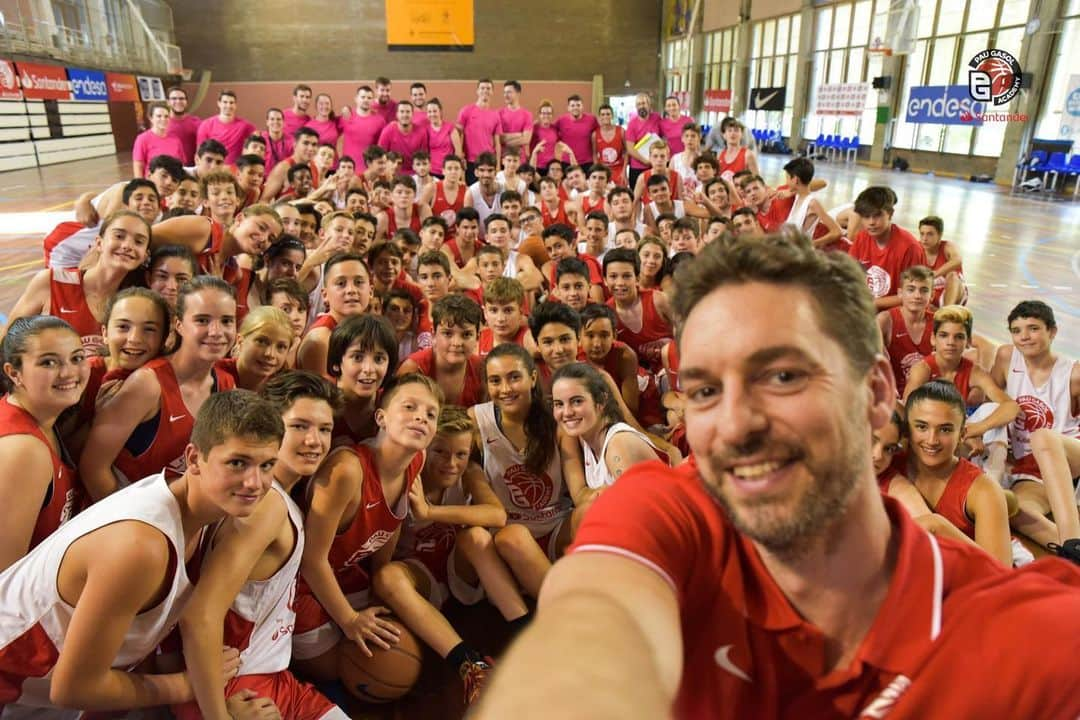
(575, 128)
(360, 128)
(226, 127)
(672, 122)
(385, 105)
(477, 130)
(609, 145)
(641, 125)
(297, 116)
(883, 249)
(155, 141)
(404, 137)
(517, 122)
(769, 577)
(182, 126)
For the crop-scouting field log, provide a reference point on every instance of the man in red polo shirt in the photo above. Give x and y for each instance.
(769, 577)
(384, 104)
(575, 128)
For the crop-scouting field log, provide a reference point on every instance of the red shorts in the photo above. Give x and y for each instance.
(295, 700)
(315, 633)
(1025, 469)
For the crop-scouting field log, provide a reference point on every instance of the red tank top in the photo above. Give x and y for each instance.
(240, 278)
(654, 334)
(612, 152)
(939, 282)
(962, 379)
(472, 387)
(673, 364)
(455, 251)
(904, 351)
(736, 165)
(391, 220)
(559, 216)
(67, 301)
(65, 495)
(596, 275)
(206, 256)
(487, 339)
(952, 505)
(673, 182)
(99, 375)
(447, 209)
(326, 320)
(588, 207)
(171, 427)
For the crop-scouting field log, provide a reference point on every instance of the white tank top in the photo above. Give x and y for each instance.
(680, 209)
(1049, 406)
(510, 270)
(797, 216)
(31, 606)
(597, 474)
(261, 618)
(540, 503)
(481, 206)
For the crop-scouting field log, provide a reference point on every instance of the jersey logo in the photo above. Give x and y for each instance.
(909, 361)
(526, 488)
(375, 541)
(878, 280)
(883, 704)
(434, 538)
(174, 418)
(1034, 414)
(65, 311)
(371, 505)
(723, 659)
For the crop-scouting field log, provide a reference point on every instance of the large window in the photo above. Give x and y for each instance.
(719, 69)
(774, 47)
(843, 32)
(1064, 65)
(950, 33)
(677, 69)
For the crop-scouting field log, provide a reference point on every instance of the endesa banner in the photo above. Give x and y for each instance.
(943, 105)
(122, 88)
(88, 85)
(43, 82)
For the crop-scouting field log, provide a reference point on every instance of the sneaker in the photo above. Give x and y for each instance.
(1020, 554)
(1070, 550)
(474, 675)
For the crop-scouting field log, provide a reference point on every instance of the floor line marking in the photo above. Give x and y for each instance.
(17, 266)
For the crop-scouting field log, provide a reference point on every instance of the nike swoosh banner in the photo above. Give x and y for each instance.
(768, 98)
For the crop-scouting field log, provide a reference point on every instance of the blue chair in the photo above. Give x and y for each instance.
(1073, 168)
(851, 149)
(827, 146)
(811, 149)
(1033, 163)
(1054, 166)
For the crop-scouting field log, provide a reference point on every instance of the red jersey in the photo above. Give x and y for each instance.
(896, 467)
(596, 275)
(241, 279)
(612, 153)
(99, 375)
(674, 182)
(326, 320)
(65, 495)
(587, 206)
(206, 256)
(472, 387)
(559, 216)
(939, 282)
(962, 379)
(158, 444)
(673, 364)
(905, 352)
(447, 209)
(729, 168)
(777, 214)
(748, 653)
(487, 338)
(67, 301)
(654, 334)
(414, 220)
(455, 251)
(952, 505)
(883, 265)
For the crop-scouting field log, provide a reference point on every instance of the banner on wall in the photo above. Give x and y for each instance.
(943, 105)
(9, 81)
(718, 101)
(768, 98)
(122, 88)
(438, 25)
(842, 98)
(1070, 114)
(88, 85)
(43, 82)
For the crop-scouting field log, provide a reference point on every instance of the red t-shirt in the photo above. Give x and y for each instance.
(883, 265)
(748, 653)
(777, 214)
(360, 132)
(230, 134)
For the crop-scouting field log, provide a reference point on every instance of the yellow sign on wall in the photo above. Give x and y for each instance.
(429, 25)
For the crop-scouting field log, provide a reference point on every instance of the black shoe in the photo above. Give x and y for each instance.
(1070, 550)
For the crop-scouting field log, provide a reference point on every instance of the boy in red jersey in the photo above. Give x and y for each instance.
(446, 197)
(944, 259)
(277, 179)
(504, 312)
(883, 249)
(346, 291)
(644, 315)
(452, 361)
(560, 243)
(571, 283)
(404, 211)
(769, 576)
(906, 331)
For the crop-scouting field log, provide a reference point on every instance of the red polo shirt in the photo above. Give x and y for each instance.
(956, 635)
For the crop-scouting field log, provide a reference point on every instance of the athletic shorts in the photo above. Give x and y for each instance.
(295, 700)
(1024, 469)
(455, 586)
(315, 633)
(548, 543)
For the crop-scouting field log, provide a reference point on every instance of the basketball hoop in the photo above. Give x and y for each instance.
(878, 47)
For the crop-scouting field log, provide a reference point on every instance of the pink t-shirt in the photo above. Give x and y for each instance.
(277, 150)
(387, 111)
(294, 121)
(439, 145)
(360, 133)
(185, 129)
(549, 135)
(230, 134)
(577, 134)
(515, 121)
(671, 130)
(479, 126)
(638, 128)
(392, 139)
(329, 130)
(148, 146)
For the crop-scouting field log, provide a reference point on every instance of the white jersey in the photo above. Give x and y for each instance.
(679, 210)
(540, 503)
(34, 618)
(1049, 406)
(797, 216)
(261, 619)
(597, 474)
(481, 205)
(612, 231)
(510, 269)
(69, 251)
(687, 175)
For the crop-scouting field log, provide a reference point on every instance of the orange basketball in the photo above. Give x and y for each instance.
(385, 676)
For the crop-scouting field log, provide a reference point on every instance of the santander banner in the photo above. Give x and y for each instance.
(43, 82)
(943, 105)
(122, 87)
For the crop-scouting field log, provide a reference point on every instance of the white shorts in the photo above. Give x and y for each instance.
(316, 633)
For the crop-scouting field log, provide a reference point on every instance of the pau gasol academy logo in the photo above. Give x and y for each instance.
(994, 77)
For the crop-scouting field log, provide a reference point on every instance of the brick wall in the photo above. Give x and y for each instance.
(326, 40)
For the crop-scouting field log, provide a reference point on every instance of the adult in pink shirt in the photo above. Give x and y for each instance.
(517, 122)
(477, 129)
(544, 143)
(182, 126)
(404, 138)
(155, 141)
(297, 116)
(575, 128)
(440, 136)
(226, 128)
(671, 124)
(646, 121)
(325, 122)
(278, 145)
(418, 98)
(360, 128)
(385, 105)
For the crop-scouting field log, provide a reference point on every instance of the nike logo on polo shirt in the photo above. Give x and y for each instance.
(371, 505)
(174, 418)
(65, 311)
(759, 100)
(725, 663)
(883, 704)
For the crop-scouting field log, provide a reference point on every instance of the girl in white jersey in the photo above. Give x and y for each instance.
(97, 596)
(528, 464)
(248, 570)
